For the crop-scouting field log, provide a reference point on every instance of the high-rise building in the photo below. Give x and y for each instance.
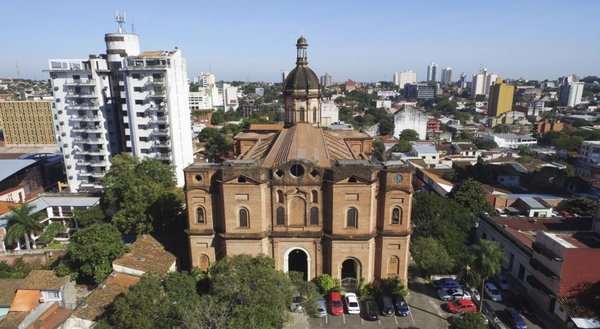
(571, 91)
(501, 98)
(432, 72)
(124, 101)
(420, 90)
(27, 123)
(489, 81)
(446, 75)
(326, 80)
(206, 79)
(407, 77)
(463, 80)
(396, 78)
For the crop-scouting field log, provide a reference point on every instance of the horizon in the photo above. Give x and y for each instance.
(391, 37)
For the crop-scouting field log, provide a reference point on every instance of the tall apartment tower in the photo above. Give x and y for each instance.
(326, 80)
(482, 82)
(501, 98)
(571, 91)
(432, 72)
(122, 101)
(463, 80)
(407, 77)
(446, 75)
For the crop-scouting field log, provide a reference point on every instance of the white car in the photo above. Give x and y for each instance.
(493, 292)
(453, 294)
(474, 294)
(352, 304)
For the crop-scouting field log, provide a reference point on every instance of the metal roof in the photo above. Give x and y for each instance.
(44, 202)
(12, 166)
(532, 203)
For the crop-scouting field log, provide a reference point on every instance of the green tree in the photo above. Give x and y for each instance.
(51, 231)
(408, 135)
(89, 216)
(218, 148)
(136, 193)
(485, 260)
(378, 149)
(431, 257)
(18, 270)
(91, 251)
(307, 290)
(386, 126)
(260, 294)
(472, 196)
(468, 321)
(325, 283)
(402, 146)
(208, 133)
(581, 206)
(208, 312)
(146, 305)
(22, 222)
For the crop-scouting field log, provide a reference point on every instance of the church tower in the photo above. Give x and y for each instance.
(301, 91)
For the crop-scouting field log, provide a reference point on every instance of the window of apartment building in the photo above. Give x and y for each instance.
(139, 102)
(244, 218)
(90, 76)
(76, 77)
(136, 76)
(137, 89)
(200, 219)
(143, 139)
(141, 126)
(280, 215)
(140, 114)
(352, 218)
(145, 151)
(123, 101)
(157, 75)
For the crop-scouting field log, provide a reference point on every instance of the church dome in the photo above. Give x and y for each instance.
(301, 78)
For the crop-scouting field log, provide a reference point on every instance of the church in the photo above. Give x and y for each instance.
(311, 198)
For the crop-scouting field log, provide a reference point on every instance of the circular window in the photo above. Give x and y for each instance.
(297, 171)
(198, 178)
(398, 178)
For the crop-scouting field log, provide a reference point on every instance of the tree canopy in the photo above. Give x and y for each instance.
(468, 320)
(90, 216)
(431, 257)
(140, 196)
(471, 196)
(581, 206)
(408, 135)
(91, 251)
(402, 146)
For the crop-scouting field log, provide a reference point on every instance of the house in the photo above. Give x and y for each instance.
(97, 303)
(511, 140)
(146, 255)
(508, 173)
(8, 290)
(465, 149)
(530, 205)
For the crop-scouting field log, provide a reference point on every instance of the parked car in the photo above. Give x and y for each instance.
(352, 303)
(461, 305)
(453, 294)
(488, 311)
(296, 305)
(502, 281)
(493, 292)
(321, 307)
(516, 320)
(446, 283)
(474, 294)
(386, 306)
(370, 310)
(335, 304)
(401, 306)
(523, 305)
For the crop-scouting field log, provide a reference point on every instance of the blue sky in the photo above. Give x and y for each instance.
(362, 40)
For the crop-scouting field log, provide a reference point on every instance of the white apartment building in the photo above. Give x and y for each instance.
(124, 101)
(329, 113)
(407, 77)
(200, 100)
(432, 72)
(570, 93)
(446, 75)
(410, 118)
(511, 140)
(482, 82)
(205, 79)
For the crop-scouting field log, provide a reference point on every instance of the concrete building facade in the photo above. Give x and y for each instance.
(501, 98)
(410, 117)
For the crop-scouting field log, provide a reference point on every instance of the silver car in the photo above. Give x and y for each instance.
(321, 307)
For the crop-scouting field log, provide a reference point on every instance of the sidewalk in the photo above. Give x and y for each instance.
(297, 321)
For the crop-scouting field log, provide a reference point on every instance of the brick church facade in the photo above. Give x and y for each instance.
(308, 197)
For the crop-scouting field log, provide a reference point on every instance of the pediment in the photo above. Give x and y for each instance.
(242, 179)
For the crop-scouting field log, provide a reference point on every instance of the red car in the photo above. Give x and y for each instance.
(336, 307)
(461, 305)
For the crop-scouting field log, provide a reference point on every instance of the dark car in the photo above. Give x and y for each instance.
(402, 308)
(446, 283)
(370, 310)
(386, 306)
(516, 320)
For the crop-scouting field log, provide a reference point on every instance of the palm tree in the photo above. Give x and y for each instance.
(21, 223)
(487, 259)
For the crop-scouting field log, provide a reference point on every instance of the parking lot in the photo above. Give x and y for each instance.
(426, 311)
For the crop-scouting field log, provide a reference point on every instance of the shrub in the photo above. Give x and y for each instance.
(325, 283)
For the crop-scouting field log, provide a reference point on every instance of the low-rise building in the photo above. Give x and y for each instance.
(511, 140)
(410, 118)
(588, 163)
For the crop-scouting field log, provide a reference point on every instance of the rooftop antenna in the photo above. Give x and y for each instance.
(18, 73)
(120, 19)
(132, 28)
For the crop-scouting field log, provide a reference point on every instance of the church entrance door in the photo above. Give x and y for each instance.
(350, 274)
(298, 261)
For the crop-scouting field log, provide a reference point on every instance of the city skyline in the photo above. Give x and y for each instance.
(359, 41)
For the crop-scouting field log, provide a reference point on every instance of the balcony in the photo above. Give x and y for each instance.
(81, 82)
(538, 266)
(160, 132)
(82, 140)
(540, 248)
(84, 129)
(82, 94)
(165, 144)
(93, 152)
(84, 106)
(92, 162)
(157, 94)
(86, 118)
(163, 156)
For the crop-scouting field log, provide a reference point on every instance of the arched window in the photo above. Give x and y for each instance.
(352, 217)
(244, 218)
(200, 216)
(393, 267)
(314, 216)
(397, 215)
(280, 216)
(204, 262)
(315, 196)
(280, 196)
